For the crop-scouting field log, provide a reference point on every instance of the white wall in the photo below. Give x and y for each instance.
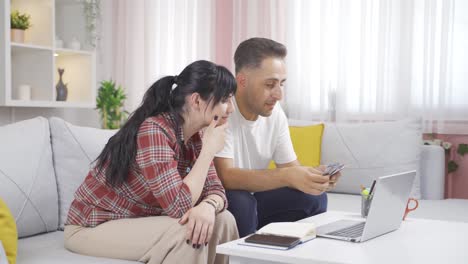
(83, 117)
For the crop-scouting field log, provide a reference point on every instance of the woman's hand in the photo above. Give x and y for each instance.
(200, 221)
(213, 137)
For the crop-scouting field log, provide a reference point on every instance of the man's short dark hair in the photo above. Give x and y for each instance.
(250, 53)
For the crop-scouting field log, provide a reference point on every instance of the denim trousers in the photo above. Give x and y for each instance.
(253, 211)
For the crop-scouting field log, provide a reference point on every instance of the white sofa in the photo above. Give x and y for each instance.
(370, 150)
(43, 161)
(3, 257)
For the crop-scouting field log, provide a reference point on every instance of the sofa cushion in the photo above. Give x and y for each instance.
(74, 148)
(8, 232)
(27, 179)
(371, 150)
(49, 249)
(307, 143)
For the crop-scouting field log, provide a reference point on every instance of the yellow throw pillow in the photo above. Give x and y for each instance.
(307, 142)
(8, 232)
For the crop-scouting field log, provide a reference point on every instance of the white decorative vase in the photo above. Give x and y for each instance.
(74, 44)
(24, 92)
(17, 35)
(58, 43)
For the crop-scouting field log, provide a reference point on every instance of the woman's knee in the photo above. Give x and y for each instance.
(69, 241)
(225, 223)
(225, 218)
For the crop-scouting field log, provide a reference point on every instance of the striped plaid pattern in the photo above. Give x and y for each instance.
(156, 188)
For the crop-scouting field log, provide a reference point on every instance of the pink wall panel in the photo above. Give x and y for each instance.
(223, 32)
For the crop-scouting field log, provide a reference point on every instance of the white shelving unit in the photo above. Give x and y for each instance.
(36, 61)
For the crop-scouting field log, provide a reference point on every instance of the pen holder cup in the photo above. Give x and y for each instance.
(366, 201)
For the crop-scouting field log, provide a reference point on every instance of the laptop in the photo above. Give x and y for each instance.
(386, 211)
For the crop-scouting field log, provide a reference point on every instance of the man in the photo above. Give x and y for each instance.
(258, 133)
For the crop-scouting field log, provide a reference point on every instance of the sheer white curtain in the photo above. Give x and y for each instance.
(154, 38)
(258, 18)
(439, 79)
(356, 60)
(379, 60)
(371, 59)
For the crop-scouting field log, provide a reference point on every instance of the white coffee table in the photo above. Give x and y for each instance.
(416, 241)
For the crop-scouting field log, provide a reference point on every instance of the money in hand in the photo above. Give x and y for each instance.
(333, 168)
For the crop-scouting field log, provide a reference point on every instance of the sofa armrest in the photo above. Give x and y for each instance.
(3, 258)
(432, 172)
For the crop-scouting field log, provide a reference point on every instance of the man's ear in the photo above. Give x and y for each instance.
(241, 79)
(195, 101)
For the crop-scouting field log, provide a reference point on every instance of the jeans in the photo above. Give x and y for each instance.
(253, 211)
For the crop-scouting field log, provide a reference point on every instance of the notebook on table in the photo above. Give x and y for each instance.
(281, 235)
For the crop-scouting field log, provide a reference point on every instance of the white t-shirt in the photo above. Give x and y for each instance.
(253, 144)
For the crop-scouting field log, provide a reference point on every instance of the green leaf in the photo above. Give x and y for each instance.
(452, 166)
(19, 21)
(462, 149)
(110, 101)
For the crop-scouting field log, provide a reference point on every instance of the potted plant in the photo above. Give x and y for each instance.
(110, 101)
(19, 23)
(452, 165)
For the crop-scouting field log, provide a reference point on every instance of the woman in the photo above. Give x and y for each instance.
(153, 195)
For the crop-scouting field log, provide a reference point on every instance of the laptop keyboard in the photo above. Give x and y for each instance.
(353, 231)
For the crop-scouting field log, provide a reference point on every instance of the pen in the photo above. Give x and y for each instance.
(372, 188)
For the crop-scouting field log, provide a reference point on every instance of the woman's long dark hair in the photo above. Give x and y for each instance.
(213, 83)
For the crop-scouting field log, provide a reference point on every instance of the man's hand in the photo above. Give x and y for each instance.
(308, 180)
(200, 219)
(333, 179)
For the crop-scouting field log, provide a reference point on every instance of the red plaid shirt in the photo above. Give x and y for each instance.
(155, 189)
